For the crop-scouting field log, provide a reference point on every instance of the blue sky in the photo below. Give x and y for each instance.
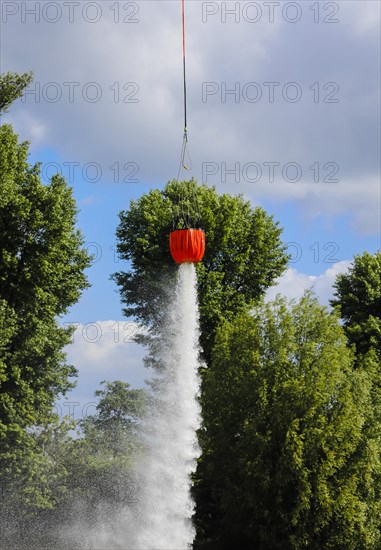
(291, 87)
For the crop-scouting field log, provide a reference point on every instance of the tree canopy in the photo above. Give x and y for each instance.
(42, 263)
(358, 297)
(119, 413)
(90, 475)
(41, 275)
(12, 86)
(283, 449)
(244, 254)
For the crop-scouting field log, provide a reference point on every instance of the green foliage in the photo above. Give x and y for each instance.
(284, 452)
(100, 461)
(75, 480)
(358, 296)
(33, 476)
(12, 86)
(114, 428)
(244, 254)
(41, 276)
(358, 300)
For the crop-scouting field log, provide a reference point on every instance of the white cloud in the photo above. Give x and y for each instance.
(31, 128)
(292, 283)
(360, 197)
(102, 350)
(87, 200)
(365, 20)
(106, 347)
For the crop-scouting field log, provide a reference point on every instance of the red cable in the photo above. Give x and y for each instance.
(183, 5)
(184, 75)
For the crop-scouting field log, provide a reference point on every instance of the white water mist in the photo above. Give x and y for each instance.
(166, 506)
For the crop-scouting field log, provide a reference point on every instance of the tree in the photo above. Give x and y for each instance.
(91, 474)
(283, 438)
(115, 426)
(100, 461)
(42, 265)
(244, 254)
(12, 86)
(358, 297)
(358, 301)
(34, 486)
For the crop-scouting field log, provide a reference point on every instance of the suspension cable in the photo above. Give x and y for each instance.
(184, 163)
(185, 81)
(185, 159)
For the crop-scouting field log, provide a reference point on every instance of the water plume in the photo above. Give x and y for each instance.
(165, 502)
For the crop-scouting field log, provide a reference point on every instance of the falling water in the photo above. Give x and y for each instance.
(166, 505)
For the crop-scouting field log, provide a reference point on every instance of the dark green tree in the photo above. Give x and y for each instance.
(358, 301)
(283, 438)
(91, 474)
(12, 86)
(100, 461)
(244, 254)
(42, 265)
(358, 297)
(115, 426)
